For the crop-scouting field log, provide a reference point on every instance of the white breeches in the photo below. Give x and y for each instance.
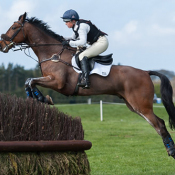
(96, 48)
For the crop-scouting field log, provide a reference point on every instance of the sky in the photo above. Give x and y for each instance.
(141, 33)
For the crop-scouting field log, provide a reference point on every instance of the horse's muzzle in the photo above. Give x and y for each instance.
(0, 46)
(4, 47)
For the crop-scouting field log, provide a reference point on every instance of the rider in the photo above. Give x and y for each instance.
(84, 32)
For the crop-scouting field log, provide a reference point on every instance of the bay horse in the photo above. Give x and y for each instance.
(133, 85)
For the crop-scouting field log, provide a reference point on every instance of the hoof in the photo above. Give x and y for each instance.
(171, 152)
(48, 100)
(172, 155)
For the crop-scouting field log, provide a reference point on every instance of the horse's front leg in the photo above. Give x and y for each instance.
(33, 91)
(28, 91)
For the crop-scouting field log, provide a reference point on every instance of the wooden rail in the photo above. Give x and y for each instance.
(32, 146)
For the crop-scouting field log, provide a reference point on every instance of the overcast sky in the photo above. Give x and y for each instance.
(141, 33)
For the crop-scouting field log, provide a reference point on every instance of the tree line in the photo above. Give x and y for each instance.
(13, 79)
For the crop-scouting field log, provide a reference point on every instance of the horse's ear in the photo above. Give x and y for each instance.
(22, 17)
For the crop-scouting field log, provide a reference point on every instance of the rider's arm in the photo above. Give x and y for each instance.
(82, 39)
(71, 38)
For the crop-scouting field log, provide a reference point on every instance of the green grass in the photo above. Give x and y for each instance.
(123, 143)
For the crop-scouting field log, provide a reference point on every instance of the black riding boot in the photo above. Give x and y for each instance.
(85, 83)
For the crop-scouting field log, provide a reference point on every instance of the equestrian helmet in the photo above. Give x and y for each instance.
(70, 15)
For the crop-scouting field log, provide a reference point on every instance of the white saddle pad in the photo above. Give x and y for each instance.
(99, 69)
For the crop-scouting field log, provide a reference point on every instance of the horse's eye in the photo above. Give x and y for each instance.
(13, 28)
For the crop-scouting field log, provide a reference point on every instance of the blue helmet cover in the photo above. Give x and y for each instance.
(70, 15)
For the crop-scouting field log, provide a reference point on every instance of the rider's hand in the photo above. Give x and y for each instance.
(65, 43)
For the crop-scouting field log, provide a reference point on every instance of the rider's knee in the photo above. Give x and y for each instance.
(81, 56)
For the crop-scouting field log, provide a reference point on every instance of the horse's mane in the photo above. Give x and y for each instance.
(45, 27)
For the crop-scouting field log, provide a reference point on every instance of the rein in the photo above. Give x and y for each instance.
(27, 46)
(58, 55)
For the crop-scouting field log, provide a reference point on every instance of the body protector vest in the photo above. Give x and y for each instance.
(93, 33)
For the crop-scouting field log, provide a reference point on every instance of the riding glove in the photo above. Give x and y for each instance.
(65, 43)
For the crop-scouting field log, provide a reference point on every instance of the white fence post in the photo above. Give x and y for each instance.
(89, 101)
(101, 110)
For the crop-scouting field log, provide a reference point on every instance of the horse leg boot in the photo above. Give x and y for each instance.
(85, 83)
(28, 89)
(169, 145)
(39, 96)
(28, 92)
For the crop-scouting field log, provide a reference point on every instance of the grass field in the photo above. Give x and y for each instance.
(124, 143)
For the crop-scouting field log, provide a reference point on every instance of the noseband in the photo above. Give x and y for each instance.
(6, 38)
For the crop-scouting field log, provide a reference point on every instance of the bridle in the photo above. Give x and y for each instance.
(12, 37)
(25, 46)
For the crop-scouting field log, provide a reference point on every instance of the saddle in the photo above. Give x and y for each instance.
(104, 60)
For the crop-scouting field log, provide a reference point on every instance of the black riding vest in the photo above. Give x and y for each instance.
(93, 33)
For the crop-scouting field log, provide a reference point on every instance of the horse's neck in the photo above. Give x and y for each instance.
(41, 42)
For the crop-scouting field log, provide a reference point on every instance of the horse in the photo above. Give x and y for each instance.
(133, 85)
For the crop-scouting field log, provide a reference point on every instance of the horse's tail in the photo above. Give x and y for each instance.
(166, 96)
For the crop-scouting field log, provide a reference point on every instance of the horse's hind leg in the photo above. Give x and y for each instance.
(159, 125)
